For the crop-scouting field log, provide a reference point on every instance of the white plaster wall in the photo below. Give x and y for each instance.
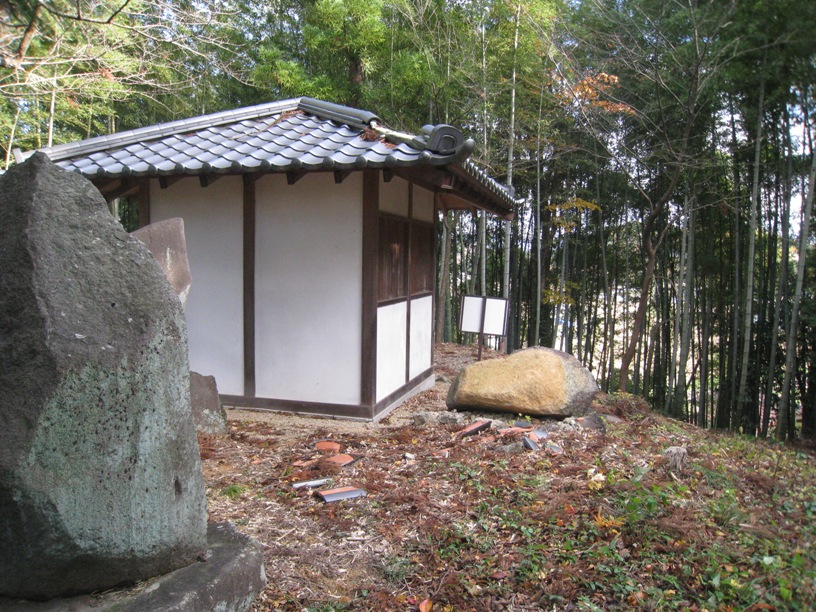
(392, 323)
(308, 288)
(421, 335)
(213, 227)
(423, 204)
(394, 196)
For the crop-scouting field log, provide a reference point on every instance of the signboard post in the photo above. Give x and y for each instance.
(483, 315)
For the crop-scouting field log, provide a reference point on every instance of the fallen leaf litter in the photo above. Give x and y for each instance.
(356, 532)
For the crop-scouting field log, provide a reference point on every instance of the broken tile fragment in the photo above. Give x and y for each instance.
(509, 431)
(538, 435)
(530, 444)
(327, 446)
(474, 428)
(554, 448)
(311, 484)
(523, 424)
(331, 495)
(342, 459)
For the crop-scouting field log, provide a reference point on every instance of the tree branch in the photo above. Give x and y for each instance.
(78, 16)
(16, 60)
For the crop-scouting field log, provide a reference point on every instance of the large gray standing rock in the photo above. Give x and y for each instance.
(100, 476)
(535, 381)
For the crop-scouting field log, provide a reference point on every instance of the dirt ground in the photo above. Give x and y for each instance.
(592, 519)
(313, 552)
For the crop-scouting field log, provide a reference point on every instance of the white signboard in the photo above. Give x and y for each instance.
(484, 315)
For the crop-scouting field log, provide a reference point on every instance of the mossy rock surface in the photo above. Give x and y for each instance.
(100, 476)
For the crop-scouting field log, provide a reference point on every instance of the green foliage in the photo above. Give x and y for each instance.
(725, 509)
(396, 569)
(233, 491)
(335, 606)
(338, 48)
(85, 59)
(629, 117)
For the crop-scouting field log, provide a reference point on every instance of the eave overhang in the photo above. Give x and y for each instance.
(290, 136)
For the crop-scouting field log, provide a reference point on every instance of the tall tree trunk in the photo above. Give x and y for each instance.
(537, 322)
(584, 305)
(607, 293)
(486, 148)
(678, 395)
(483, 253)
(742, 394)
(561, 307)
(510, 158)
(727, 403)
(444, 279)
(680, 295)
(782, 286)
(514, 320)
(786, 423)
(705, 344)
(451, 312)
(809, 396)
(610, 335)
(52, 109)
(651, 239)
(10, 146)
(547, 239)
(608, 350)
(640, 317)
(476, 263)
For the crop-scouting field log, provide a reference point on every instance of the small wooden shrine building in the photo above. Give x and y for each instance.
(311, 237)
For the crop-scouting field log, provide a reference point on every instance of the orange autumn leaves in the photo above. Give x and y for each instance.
(597, 91)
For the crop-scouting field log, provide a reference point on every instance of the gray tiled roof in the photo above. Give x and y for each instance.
(291, 135)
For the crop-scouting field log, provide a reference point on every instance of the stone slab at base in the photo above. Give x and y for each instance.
(228, 581)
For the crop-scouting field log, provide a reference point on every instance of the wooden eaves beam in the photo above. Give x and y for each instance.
(450, 187)
(118, 188)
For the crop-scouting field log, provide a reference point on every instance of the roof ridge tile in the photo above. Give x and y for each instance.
(299, 133)
(64, 151)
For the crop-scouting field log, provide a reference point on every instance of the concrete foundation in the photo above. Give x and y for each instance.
(228, 581)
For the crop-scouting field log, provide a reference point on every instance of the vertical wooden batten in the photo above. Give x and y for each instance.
(438, 297)
(435, 263)
(409, 278)
(143, 199)
(371, 224)
(249, 221)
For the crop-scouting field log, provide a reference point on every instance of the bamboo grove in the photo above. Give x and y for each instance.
(661, 152)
